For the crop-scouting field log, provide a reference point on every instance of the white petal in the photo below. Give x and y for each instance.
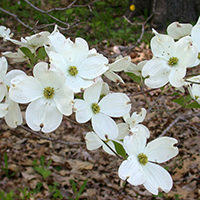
(120, 64)
(78, 84)
(12, 74)
(162, 46)
(104, 126)
(177, 30)
(56, 39)
(176, 76)
(25, 89)
(123, 130)
(186, 51)
(113, 76)
(115, 104)
(59, 61)
(3, 67)
(75, 52)
(4, 107)
(135, 143)
(161, 149)
(156, 177)
(82, 110)
(14, 117)
(158, 71)
(92, 141)
(43, 115)
(195, 34)
(107, 149)
(49, 76)
(131, 171)
(63, 98)
(3, 90)
(92, 94)
(93, 67)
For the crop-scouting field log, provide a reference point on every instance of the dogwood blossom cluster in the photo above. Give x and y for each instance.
(67, 77)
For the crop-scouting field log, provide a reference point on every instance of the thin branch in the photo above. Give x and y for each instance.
(45, 12)
(198, 83)
(50, 138)
(170, 126)
(16, 17)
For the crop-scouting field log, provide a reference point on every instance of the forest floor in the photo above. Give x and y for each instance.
(25, 151)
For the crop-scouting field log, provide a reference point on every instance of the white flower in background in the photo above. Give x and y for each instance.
(195, 34)
(132, 121)
(194, 88)
(100, 112)
(5, 33)
(9, 109)
(178, 30)
(136, 69)
(50, 97)
(170, 60)
(139, 168)
(18, 56)
(34, 41)
(94, 142)
(3, 71)
(120, 64)
(76, 61)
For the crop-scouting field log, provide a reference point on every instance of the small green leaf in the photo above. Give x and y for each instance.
(193, 105)
(29, 54)
(120, 149)
(82, 186)
(179, 101)
(135, 78)
(41, 54)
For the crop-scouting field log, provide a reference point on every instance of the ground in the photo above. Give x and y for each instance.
(25, 158)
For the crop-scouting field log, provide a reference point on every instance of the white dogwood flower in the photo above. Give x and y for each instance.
(5, 33)
(170, 60)
(140, 167)
(132, 121)
(76, 61)
(50, 97)
(100, 112)
(120, 64)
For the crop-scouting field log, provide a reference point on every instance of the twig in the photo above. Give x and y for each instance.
(45, 12)
(16, 17)
(50, 138)
(170, 126)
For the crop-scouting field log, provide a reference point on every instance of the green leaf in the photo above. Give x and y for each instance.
(135, 78)
(41, 54)
(120, 149)
(193, 105)
(179, 101)
(28, 54)
(73, 183)
(45, 173)
(83, 186)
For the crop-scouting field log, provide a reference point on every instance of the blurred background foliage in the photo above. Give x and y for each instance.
(96, 21)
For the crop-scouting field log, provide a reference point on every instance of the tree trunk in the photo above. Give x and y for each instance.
(167, 11)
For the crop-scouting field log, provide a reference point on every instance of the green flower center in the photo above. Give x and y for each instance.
(49, 92)
(172, 61)
(196, 97)
(95, 108)
(73, 71)
(199, 55)
(143, 159)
